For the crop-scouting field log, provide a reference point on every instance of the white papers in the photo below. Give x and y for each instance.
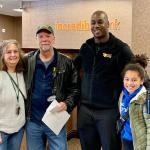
(55, 120)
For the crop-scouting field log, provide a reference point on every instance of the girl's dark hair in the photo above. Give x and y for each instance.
(3, 47)
(141, 59)
(134, 67)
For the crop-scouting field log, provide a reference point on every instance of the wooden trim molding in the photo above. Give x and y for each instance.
(72, 51)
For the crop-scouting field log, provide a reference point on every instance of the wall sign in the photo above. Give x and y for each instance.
(71, 20)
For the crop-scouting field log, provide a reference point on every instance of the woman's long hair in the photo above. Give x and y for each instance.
(3, 48)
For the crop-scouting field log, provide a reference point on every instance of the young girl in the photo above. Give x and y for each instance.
(143, 61)
(135, 131)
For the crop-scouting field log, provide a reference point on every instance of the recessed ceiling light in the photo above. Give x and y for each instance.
(18, 10)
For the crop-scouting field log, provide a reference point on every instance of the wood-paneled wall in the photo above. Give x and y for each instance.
(12, 26)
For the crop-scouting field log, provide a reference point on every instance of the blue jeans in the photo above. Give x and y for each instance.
(38, 134)
(11, 141)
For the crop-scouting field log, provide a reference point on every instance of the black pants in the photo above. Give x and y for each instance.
(97, 128)
(127, 145)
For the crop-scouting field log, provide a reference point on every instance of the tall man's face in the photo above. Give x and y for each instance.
(99, 25)
(45, 40)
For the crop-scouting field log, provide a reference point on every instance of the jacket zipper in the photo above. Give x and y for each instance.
(92, 78)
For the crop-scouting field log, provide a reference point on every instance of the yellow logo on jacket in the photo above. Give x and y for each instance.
(107, 55)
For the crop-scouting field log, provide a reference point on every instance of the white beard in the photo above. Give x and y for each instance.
(45, 48)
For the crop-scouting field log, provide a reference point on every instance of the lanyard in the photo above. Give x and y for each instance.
(15, 86)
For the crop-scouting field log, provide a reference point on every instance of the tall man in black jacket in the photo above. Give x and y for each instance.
(101, 60)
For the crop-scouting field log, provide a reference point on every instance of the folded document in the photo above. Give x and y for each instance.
(55, 120)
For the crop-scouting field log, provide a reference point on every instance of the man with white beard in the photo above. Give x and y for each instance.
(50, 75)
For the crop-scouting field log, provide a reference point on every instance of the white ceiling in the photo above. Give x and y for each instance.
(9, 5)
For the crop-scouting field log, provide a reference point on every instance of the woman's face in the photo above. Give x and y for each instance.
(132, 81)
(11, 56)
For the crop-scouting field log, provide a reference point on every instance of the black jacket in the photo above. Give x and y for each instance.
(102, 65)
(65, 80)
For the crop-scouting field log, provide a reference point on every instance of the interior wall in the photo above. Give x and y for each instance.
(141, 28)
(18, 29)
(11, 28)
(7, 24)
(71, 20)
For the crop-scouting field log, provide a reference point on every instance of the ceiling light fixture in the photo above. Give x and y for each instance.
(20, 9)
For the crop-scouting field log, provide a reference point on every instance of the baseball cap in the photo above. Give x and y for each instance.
(44, 27)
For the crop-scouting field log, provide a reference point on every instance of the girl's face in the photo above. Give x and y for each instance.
(11, 56)
(132, 81)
